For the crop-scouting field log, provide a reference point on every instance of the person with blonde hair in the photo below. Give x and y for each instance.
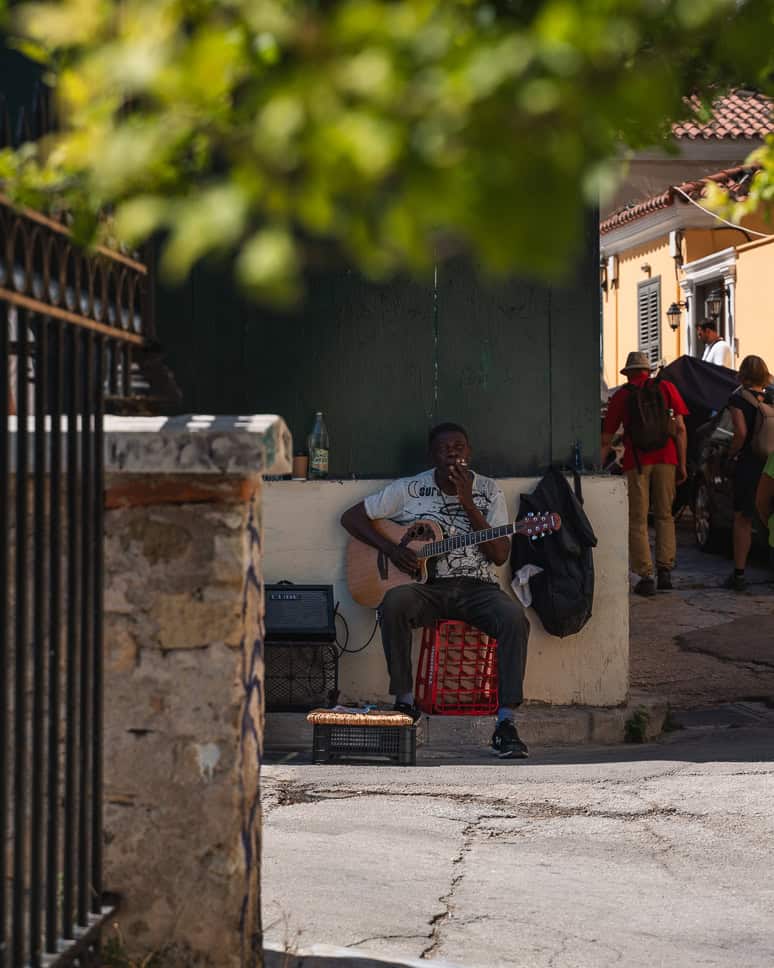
(754, 377)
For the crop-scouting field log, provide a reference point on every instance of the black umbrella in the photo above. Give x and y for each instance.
(705, 387)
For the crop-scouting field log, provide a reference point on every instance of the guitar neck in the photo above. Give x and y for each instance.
(435, 548)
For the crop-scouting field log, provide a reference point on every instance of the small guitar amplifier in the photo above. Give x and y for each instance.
(299, 613)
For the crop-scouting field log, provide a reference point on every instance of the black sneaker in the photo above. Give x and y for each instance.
(408, 709)
(506, 742)
(735, 583)
(664, 582)
(646, 587)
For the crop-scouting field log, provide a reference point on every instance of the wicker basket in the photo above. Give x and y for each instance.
(340, 736)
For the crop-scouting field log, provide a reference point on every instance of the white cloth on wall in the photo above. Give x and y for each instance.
(520, 583)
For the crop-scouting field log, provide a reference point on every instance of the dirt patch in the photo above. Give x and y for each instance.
(701, 645)
(748, 640)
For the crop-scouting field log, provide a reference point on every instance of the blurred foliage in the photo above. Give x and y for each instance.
(387, 127)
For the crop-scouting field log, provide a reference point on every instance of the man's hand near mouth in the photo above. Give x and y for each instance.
(462, 479)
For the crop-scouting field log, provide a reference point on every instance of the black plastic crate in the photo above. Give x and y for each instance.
(299, 676)
(398, 743)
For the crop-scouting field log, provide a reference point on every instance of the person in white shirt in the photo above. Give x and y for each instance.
(716, 349)
(464, 586)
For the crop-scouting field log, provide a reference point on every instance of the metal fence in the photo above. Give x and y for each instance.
(68, 326)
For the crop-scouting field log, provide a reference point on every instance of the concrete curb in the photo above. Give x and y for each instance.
(328, 956)
(539, 725)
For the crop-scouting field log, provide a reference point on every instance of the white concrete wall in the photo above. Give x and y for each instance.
(304, 543)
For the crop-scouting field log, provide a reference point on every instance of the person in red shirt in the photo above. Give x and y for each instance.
(652, 477)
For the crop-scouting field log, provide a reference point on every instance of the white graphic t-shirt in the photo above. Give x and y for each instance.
(418, 498)
(718, 353)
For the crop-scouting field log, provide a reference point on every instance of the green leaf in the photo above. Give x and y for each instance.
(210, 220)
(139, 217)
(268, 263)
(240, 126)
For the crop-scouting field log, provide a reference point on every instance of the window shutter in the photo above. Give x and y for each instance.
(649, 319)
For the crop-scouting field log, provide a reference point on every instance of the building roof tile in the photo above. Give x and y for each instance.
(736, 180)
(738, 115)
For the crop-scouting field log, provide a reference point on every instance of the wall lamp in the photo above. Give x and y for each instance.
(673, 314)
(603, 275)
(713, 304)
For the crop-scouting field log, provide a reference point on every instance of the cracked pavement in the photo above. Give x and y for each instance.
(576, 858)
(581, 857)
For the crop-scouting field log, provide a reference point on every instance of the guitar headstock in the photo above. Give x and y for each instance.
(538, 525)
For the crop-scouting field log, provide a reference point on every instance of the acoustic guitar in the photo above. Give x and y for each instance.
(371, 574)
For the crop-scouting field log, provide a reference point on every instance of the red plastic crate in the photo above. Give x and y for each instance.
(457, 674)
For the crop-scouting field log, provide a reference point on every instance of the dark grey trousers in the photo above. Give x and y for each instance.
(479, 603)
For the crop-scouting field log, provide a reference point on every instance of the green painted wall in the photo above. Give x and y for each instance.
(18, 77)
(516, 362)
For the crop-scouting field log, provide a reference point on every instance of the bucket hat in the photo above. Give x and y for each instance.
(636, 361)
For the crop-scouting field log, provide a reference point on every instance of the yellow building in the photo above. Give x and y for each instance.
(659, 247)
(669, 250)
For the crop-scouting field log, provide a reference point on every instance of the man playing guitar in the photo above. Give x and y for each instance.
(464, 583)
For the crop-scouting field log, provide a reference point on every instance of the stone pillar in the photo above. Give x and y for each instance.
(184, 681)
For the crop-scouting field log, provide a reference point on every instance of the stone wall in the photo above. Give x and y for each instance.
(183, 682)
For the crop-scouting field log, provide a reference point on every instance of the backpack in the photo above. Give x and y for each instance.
(651, 422)
(563, 592)
(762, 437)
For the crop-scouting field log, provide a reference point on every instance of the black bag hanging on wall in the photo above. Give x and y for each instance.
(563, 592)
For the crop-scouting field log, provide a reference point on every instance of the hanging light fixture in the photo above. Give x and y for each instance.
(673, 314)
(713, 304)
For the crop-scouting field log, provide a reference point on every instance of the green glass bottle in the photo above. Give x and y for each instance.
(318, 448)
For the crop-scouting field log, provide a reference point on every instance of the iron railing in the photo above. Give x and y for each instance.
(69, 323)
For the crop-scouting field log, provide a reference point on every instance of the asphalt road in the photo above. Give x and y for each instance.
(583, 857)
(639, 856)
